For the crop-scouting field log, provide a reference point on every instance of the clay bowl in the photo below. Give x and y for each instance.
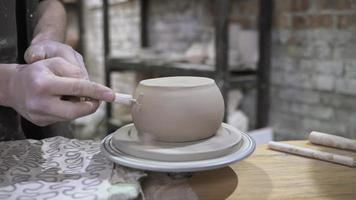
(178, 109)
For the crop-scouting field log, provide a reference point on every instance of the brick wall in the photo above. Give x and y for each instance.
(124, 31)
(313, 66)
(174, 25)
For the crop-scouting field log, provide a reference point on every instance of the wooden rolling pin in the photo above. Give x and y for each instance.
(311, 153)
(332, 141)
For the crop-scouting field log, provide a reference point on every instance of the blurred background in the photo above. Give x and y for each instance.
(285, 67)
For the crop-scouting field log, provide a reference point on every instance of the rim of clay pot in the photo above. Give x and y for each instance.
(184, 82)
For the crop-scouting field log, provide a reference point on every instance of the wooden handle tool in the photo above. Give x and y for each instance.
(332, 141)
(311, 153)
(125, 99)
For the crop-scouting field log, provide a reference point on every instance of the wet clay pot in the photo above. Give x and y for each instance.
(178, 109)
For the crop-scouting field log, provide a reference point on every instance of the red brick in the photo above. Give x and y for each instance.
(247, 7)
(346, 21)
(299, 22)
(299, 5)
(335, 4)
(281, 21)
(281, 6)
(312, 21)
(320, 21)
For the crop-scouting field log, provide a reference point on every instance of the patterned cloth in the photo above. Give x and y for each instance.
(61, 168)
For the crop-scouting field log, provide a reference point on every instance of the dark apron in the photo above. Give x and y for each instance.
(15, 34)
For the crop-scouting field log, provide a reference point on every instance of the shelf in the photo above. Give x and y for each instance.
(160, 66)
(169, 68)
(236, 82)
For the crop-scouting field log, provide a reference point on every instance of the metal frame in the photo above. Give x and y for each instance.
(264, 62)
(144, 22)
(225, 79)
(221, 48)
(106, 34)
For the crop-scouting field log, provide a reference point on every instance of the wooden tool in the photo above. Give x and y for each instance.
(311, 153)
(332, 141)
(125, 99)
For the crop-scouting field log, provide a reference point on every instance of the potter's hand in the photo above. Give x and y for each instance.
(44, 49)
(36, 90)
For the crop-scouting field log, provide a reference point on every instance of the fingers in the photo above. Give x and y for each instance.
(61, 67)
(68, 110)
(50, 49)
(81, 88)
(80, 62)
(74, 58)
(35, 53)
(43, 119)
(58, 110)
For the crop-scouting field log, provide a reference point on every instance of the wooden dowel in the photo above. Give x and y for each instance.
(125, 99)
(311, 153)
(332, 141)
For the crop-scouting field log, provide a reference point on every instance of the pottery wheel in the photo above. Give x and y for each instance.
(243, 149)
(129, 141)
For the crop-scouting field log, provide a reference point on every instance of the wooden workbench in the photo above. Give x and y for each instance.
(267, 174)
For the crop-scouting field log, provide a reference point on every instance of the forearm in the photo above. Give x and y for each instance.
(50, 23)
(49, 36)
(6, 73)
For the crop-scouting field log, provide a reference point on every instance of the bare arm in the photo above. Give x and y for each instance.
(50, 23)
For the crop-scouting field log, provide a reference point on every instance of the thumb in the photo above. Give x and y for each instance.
(34, 53)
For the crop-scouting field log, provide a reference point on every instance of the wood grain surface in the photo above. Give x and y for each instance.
(208, 185)
(269, 174)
